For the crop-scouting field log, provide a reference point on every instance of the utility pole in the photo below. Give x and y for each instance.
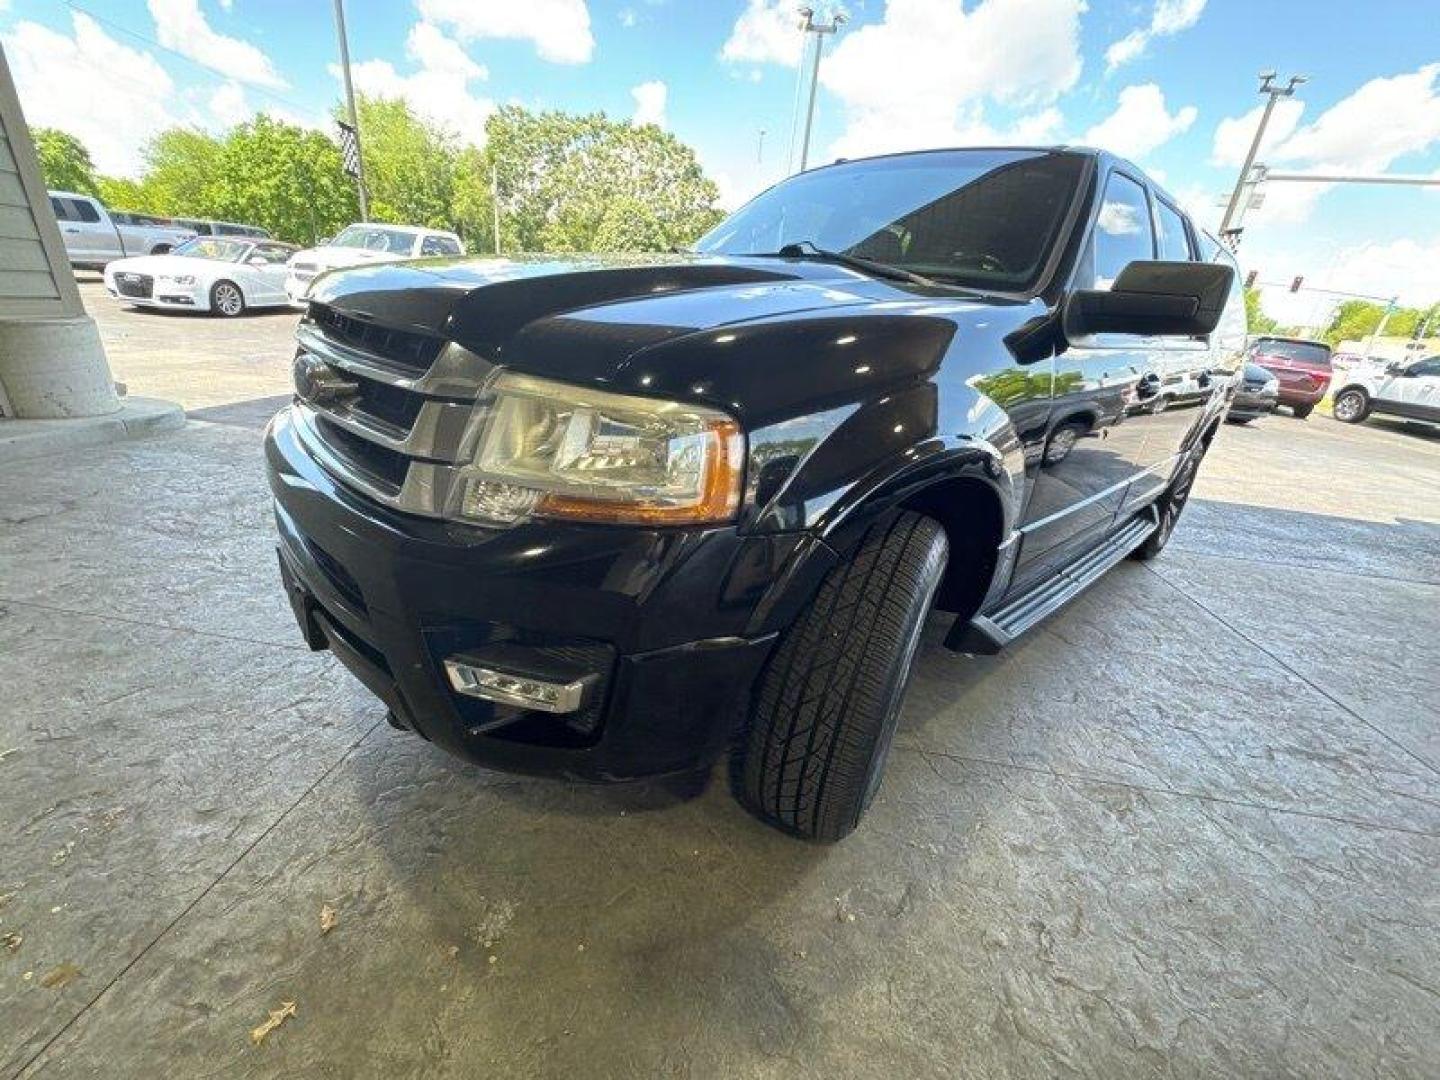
(760, 148)
(808, 25)
(1273, 93)
(350, 108)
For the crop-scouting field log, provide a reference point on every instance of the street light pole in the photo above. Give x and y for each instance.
(1273, 94)
(350, 108)
(808, 25)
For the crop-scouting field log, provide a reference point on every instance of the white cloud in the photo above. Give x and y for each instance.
(111, 97)
(628, 17)
(1233, 134)
(1140, 123)
(559, 29)
(228, 104)
(180, 25)
(768, 31)
(922, 76)
(439, 91)
(1408, 269)
(1169, 17)
(649, 103)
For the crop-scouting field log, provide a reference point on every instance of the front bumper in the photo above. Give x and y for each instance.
(675, 623)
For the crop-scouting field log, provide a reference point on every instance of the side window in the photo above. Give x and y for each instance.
(63, 210)
(1122, 234)
(86, 210)
(1428, 367)
(439, 245)
(1174, 240)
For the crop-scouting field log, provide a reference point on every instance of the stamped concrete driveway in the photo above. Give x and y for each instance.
(1189, 828)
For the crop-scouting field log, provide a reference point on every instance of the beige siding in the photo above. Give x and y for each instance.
(35, 277)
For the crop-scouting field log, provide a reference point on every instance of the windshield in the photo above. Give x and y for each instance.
(208, 247)
(1305, 352)
(982, 218)
(373, 238)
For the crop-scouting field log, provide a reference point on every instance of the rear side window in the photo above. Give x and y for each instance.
(1122, 233)
(439, 245)
(86, 210)
(1174, 240)
(1304, 352)
(63, 209)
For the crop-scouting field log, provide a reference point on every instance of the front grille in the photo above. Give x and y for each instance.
(402, 348)
(385, 410)
(140, 286)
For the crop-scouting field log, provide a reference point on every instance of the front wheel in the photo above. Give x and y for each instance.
(1351, 406)
(226, 299)
(825, 708)
(1171, 505)
(1302, 411)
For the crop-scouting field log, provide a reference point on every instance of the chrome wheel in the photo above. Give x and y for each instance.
(1350, 406)
(227, 300)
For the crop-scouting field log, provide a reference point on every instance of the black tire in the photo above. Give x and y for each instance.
(1302, 411)
(1171, 505)
(1239, 420)
(227, 300)
(1351, 406)
(825, 708)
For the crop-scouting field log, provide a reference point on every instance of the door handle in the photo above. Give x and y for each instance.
(71, 229)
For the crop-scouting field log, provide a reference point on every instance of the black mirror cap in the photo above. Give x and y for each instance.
(1175, 299)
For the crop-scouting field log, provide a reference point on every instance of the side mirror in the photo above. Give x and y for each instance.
(1173, 299)
(1396, 367)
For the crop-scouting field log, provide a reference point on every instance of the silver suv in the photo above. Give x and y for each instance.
(1404, 389)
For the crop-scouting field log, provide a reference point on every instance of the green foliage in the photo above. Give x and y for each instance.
(122, 193)
(588, 183)
(409, 164)
(1255, 316)
(1355, 320)
(287, 179)
(566, 182)
(183, 169)
(64, 161)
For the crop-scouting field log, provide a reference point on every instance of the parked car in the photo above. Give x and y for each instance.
(355, 245)
(224, 275)
(1257, 395)
(583, 516)
(204, 227)
(93, 238)
(1303, 368)
(1406, 390)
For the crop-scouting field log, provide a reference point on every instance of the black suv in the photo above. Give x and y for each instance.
(608, 518)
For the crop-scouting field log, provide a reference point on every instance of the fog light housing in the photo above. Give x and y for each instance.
(517, 688)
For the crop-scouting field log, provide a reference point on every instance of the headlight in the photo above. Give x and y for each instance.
(178, 279)
(548, 449)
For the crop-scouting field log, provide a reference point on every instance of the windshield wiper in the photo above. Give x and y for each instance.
(805, 249)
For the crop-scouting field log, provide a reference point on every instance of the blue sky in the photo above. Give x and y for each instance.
(1169, 82)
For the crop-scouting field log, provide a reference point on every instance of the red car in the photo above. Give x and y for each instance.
(1303, 368)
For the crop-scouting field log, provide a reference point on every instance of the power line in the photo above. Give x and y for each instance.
(305, 110)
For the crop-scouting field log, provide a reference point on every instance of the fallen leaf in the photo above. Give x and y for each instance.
(59, 976)
(277, 1017)
(12, 940)
(327, 919)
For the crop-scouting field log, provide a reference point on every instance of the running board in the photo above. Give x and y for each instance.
(988, 634)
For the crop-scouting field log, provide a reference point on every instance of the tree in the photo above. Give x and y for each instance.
(409, 164)
(183, 169)
(64, 161)
(589, 183)
(288, 179)
(122, 193)
(1255, 316)
(472, 208)
(1355, 320)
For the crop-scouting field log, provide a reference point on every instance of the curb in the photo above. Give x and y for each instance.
(138, 418)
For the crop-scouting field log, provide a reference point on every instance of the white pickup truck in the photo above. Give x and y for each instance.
(93, 238)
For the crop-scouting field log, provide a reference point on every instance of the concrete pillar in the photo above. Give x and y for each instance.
(54, 368)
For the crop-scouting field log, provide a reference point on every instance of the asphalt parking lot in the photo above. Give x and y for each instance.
(1189, 828)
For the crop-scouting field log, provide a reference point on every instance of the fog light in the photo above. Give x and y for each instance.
(509, 688)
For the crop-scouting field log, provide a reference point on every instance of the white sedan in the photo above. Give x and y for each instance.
(225, 275)
(363, 243)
